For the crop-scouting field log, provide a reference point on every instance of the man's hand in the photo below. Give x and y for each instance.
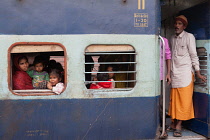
(168, 79)
(203, 78)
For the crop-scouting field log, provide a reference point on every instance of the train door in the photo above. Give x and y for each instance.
(197, 13)
(201, 95)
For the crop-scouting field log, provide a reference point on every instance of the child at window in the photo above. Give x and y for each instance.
(40, 77)
(55, 83)
(111, 68)
(100, 85)
(20, 79)
(54, 65)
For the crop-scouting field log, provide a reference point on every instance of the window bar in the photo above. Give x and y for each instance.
(106, 53)
(110, 81)
(110, 89)
(202, 56)
(203, 60)
(113, 72)
(111, 63)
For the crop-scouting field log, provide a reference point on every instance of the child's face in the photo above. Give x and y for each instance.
(23, 64)
(110, 69)
(54, 79)
(39, 67)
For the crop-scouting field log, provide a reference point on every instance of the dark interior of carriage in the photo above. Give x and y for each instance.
(99, 58)
(197, 12)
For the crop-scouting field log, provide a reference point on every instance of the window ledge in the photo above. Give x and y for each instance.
(110, 90)
(34, 92)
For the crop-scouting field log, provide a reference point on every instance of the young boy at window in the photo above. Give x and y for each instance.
(40, 77)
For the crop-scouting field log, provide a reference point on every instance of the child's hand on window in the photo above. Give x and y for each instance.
(49, 85)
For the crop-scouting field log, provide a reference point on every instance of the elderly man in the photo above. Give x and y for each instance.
(183, 64)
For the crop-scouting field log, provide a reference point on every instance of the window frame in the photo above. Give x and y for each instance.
(34, 92)
(126, 49)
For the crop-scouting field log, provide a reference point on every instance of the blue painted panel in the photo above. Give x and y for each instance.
(88, 119)
(201, 106)
(43, 17)
(202, 110)
(198, 127)
(199, 22)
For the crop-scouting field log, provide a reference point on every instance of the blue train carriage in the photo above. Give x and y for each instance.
(78, 34)
(198, 17)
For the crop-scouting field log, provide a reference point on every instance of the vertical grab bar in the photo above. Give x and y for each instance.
(164, 103)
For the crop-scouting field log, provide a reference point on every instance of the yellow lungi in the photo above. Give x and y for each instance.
(181, 103)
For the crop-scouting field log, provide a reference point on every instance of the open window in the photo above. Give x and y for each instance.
(49, 53)
(117, 61)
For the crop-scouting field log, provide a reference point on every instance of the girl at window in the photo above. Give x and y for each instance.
(55, 83)
(20, 79)
(100, 85)
(111, 68)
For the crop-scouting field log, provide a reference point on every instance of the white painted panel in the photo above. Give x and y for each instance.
(35, 48)
(147, 67)
(109, 48)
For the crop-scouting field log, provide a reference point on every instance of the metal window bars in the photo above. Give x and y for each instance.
(97, 64)
(203, 58)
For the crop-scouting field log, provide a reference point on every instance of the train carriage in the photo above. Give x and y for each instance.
(198, 17)
(73, 30)
(85, 37)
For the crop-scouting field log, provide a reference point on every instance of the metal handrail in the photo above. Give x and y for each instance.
(87, 53)
(164, 103)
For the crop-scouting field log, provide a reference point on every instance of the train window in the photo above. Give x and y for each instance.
(48, 55)
(110, 67)
(202, 54)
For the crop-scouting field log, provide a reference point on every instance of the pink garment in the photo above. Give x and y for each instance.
(167, 56)
(58, 88)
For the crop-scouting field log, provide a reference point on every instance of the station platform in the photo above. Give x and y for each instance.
(186, 134)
